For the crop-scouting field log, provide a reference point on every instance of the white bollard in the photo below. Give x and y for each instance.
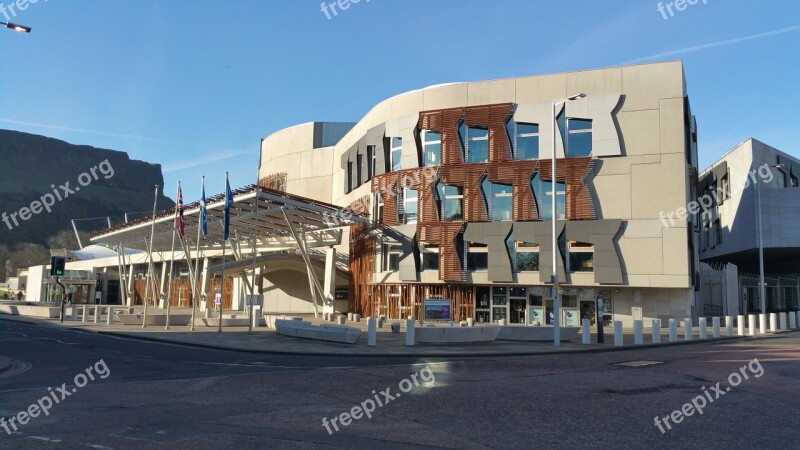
(617, 333)
(350, 317)
(83, 316)
(110, 317)
(751, 322)
(792, 320)
(98, 311)
(372, 331)
(715, 327)
(773, 322)
(740, 323)
(783, 321)
(410, 332)
(688, 333)
(638, 339)
(74, 312)
(762, 324)
(728, 326)
(586, 336)
(798, 318)
(673, 330)
(702, 327)
(656, 331)
(470, 322)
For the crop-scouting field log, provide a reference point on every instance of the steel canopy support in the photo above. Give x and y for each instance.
(304, 252)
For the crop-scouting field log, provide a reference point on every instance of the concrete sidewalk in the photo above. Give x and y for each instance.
(263, 340)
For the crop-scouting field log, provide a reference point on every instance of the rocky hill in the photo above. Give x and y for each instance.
(45, 182)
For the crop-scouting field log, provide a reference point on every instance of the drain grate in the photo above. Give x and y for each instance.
(639, 363)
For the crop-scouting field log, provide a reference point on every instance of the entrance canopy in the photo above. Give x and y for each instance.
(278, 219)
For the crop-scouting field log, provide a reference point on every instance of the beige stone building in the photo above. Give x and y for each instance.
(456, 179)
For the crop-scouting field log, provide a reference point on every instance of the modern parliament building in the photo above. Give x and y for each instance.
(456, 181)
(445, 193)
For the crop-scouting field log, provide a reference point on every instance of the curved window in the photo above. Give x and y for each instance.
(451, 201)
(498, 199)
(543, 193)
(431, 148)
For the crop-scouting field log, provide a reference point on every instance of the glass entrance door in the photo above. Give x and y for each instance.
(499, 303)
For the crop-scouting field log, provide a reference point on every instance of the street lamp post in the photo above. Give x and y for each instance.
(554, 219)
(16, 27)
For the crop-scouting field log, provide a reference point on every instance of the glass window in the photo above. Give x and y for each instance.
(430, 261)
(397, 153)
(543, 194)
(349, 176)
(498, 199)
(527, 141)
(378, 213)
(482, 304)
(391, 257)
(477, 145)
(581, 257)
(477, 256)
(452, 198)
(410, 202)
(371, 161)
(524, 255)
(580, 138)
(359, 164)
(793, 181)
(432, 148)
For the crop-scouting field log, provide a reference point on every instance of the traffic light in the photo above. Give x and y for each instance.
(57, 266)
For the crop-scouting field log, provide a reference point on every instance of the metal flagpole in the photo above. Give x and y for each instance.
(150, 252)
(255, 239)
(225, 225)
(195, 290)
(222, 286)
(172, 257)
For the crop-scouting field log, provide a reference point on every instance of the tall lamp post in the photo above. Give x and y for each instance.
(16, 27)
(554, 219)
(762, 285)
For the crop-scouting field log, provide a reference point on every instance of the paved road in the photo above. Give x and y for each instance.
(165, 396)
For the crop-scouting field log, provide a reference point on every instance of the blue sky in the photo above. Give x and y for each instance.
(195, 85)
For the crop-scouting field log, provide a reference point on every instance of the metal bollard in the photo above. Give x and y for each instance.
(792, 320)
(74, 312)
(83, 316)
(740, 323)
(98, 311)
(638, 339)
(372, 331)
(586, 337)
(410, 332)
(751, 322)
(617, 333)
(782, 322)
(715, 327)
(773, 322)
(762, 324)
(656, 331)
(110, 315)
(702, 327)
(673, 330)
(688, 333)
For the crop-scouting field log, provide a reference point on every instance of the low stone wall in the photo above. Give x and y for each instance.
(24, 309)
(455, 335)
(325, 332)
(541, 333)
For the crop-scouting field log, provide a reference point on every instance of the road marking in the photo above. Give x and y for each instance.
(44, 438)
(99, 447)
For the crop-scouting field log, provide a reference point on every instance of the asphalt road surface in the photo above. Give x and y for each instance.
(121, 393)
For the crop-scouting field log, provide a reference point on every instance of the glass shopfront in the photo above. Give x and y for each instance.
(534, 305)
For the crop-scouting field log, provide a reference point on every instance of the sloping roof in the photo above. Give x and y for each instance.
(271, 207)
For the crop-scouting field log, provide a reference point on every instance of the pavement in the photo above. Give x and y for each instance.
(267, 341)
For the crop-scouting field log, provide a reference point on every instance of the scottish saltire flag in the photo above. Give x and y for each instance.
(180, 211)
(228, 204)
(203, 216)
